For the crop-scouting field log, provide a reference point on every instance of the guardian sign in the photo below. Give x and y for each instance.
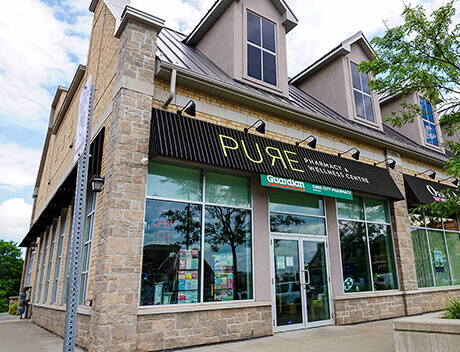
(300, 186)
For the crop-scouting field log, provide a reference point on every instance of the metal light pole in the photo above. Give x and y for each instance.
(82, 144)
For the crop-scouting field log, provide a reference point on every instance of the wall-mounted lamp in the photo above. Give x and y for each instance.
(189, 109)
(355, 155)
(260, 128)
(96, 183)
(432, 174)
(391, 164)
(311, 144)
(454, 181)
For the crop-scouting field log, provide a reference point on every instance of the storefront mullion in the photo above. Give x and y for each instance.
(203, 221)
(369, 257)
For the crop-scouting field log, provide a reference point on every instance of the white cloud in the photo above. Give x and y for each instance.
(325, 24)
(180, 15)
(18, 165)
(14, 219)
(36, 55)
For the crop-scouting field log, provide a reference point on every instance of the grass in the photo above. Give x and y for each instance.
(452, 309)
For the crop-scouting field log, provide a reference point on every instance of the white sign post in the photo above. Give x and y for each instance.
(82, 144)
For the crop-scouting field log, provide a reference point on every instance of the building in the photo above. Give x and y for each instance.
(231, 232)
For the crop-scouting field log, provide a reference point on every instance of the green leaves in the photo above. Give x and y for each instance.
(10, 272)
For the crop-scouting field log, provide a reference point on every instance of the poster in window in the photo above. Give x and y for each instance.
(223, 277)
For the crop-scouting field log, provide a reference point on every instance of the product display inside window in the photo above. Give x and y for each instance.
(177, 232)
(436, 247)
(366, 245)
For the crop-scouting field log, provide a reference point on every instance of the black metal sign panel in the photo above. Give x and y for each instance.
(422, 191)
(195, 140)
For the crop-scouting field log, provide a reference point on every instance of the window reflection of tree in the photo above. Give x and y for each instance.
(189, 189)
(380, 245)
(228, 226)
(353, 243)
(279, 222)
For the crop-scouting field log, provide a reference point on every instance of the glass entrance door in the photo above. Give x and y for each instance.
(301, 284)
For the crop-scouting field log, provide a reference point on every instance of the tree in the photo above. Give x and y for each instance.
(422, 55)
(11, 265)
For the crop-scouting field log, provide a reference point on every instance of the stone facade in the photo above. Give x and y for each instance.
(118, 263)
(53, 319)
(159, 332)
(123, 70)
(355, 310)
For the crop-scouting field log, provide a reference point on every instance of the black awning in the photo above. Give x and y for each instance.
(192, 139)
(61, 199)
(422, 191)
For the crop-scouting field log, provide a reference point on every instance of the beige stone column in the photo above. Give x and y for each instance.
(401, 232)
(119, 256)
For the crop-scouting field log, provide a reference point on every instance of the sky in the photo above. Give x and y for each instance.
(42, 43)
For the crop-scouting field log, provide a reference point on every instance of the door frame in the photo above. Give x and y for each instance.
(300, 239)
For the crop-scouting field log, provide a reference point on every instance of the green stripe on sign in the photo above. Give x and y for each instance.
(301, 186)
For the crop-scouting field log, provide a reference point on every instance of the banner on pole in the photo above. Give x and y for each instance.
(83, 111)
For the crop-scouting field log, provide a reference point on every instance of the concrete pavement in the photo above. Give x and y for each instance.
(364, 337)
(23, 336)
(18, 335)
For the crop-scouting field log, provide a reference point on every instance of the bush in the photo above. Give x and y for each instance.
(452, 309)
(14, 309)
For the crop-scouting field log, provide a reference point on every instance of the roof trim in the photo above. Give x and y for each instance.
(296, 113)
(131, 13)
(79, 74)
(289, 19)
(344, 48)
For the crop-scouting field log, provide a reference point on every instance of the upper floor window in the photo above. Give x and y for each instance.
(428, 122)
(261, 49)
(362, 94)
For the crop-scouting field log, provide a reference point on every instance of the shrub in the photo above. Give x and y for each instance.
(452, 309)
(14, 309)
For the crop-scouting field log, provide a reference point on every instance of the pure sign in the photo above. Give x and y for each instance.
(83, 111)
(301, 186)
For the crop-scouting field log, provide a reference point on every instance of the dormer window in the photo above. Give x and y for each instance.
(362, 94)
(428, 123)
(261, 49)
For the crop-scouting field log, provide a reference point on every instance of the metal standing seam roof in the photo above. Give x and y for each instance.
(172, 49)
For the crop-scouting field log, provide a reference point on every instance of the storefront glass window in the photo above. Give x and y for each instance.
(228, 260)
(297, 213)
(174, 182)
(453, 246)
(176, 232)
(227, 189)
(355, 259)
(422, 258)
(436, 250)
(350, 209)
(439, 258)
(366, 244)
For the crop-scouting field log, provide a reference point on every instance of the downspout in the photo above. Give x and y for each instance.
(172, 90)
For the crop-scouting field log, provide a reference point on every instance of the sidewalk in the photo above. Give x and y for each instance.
(364, 337)
(18, 335)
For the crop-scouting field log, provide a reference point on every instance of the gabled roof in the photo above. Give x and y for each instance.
(220, 6)
(342, 49)
(197, 71)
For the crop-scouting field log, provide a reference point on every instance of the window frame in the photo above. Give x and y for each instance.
(50, 260)
(43, 263)
(425, 229)
(432, 124)
(246, 42)
(353, 89)
(30, 267)
(59, 253)
(366, 222)
(87, 243)
(203, 204)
